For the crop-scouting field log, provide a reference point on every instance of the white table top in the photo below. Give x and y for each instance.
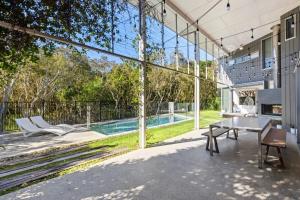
(244, 123)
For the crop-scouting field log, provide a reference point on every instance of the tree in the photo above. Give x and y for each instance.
(122, 83)
(160, 88)
(82, 21)
(43, 79)
(208, 87)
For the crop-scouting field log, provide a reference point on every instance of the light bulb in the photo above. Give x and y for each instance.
(293, 22)
(165, 12)
(228, 6)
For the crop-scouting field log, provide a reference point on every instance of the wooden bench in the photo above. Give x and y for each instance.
(275, 138)
(216, 133)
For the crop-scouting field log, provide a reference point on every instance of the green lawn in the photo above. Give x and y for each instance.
(209, 116)
(159, 134)
(130, 141)
(127, 142)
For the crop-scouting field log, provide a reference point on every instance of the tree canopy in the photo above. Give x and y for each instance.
(34, 69)
(82, 21)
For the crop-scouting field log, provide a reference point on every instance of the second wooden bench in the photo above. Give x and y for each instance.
(216, 133)
(275, 138)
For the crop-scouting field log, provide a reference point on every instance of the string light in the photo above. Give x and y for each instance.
(228, 6)
(293, 22)
(197, 26)
(164, 11)
(249, 53)
(252, 37)
(221, 42)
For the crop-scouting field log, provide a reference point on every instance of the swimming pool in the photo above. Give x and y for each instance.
(132, 124)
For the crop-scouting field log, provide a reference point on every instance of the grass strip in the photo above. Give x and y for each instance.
(154, 136)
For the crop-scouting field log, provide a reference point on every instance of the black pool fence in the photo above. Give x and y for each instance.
(79, 112)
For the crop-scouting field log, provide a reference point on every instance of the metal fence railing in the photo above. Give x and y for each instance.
(74, 112)
(77, 112)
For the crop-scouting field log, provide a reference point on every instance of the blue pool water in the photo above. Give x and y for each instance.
(132, 124)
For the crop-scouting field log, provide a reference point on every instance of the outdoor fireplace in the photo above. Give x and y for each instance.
(271, 109)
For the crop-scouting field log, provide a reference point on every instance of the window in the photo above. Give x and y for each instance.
(267, 55)
(290, 27)
(247, 101)
(226, 100)
(247, 97)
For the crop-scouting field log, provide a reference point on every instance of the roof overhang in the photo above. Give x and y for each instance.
(218, 22)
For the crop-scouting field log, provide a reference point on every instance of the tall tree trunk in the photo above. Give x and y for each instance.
(159, 104)
(6, 96)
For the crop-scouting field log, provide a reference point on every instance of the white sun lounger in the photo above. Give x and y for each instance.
(28, 128)
(40, 122)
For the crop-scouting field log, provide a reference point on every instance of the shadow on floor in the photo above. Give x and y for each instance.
(181, 170)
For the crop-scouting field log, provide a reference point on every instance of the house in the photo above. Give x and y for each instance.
(262, 77)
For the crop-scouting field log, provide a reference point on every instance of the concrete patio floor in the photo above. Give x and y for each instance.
(16, 144)
(179, 169)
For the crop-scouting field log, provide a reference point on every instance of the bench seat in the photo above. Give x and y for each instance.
(275, 138)
(216, 133)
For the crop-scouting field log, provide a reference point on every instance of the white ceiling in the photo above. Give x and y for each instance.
(243, 15)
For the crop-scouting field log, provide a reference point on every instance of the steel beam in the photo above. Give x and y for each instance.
(206, 66)
(142, 74)
(197, 83)
(162, 35)
(78, 44)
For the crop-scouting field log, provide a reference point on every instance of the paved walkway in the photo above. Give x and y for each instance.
(17, 144)
(179, 169)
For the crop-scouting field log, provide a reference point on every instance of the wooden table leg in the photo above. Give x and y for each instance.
(260, 158)
(211, 143)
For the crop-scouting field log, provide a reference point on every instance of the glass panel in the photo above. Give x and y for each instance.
(267, 52)
(225, 100)
(290, 27)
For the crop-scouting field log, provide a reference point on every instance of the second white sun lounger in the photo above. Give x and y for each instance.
(28, 128)
(40, 122)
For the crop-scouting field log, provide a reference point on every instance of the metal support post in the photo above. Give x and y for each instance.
(142, 74)
(197, 82)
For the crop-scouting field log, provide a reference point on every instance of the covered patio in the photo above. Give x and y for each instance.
(179, 168)
(231, 35)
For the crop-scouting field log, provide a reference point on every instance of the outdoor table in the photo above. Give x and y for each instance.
(258, 125)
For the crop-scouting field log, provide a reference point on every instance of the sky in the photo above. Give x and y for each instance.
(127, 26)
